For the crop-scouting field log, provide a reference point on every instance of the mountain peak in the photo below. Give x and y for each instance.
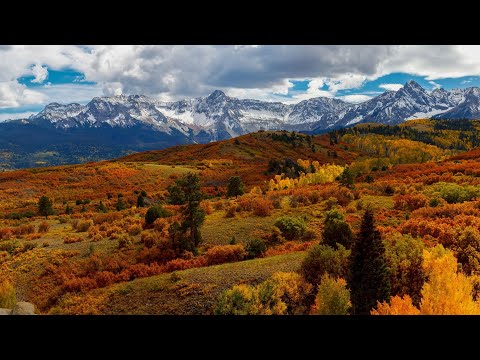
(412, 84)
(216, 95)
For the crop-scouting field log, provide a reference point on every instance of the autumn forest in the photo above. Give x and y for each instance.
(367, 220)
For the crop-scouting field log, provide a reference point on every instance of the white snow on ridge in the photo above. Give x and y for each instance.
(355, 120)
(421, 115)
(185, 117)
(260, 115)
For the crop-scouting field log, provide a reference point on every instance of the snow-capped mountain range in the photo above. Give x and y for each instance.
(108, 127)
(219, 116)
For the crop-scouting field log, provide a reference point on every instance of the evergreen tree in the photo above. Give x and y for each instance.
(336, 230)
(369, 178)
(186, 192)
(120, 205)
(155, 212)
(235, 187)
(140, 201)
(68, 210)
(369, 274)
(45, 206)
(102, 207)
(347, 178)
(175, 195)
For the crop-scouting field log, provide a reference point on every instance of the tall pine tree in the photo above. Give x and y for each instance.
(187, 192)
(45, 207)
(369, 280)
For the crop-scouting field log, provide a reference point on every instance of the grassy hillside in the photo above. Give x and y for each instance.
(188, 292)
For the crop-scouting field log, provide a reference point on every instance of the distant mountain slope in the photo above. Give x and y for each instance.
(109, 127)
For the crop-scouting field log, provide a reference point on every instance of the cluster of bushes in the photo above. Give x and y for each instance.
(12, 247)
(22, 215)
(259, 206)
(19, 231)
(453, 193)
(410, 202)
(72, 239)
(283, 293)
(291, 228)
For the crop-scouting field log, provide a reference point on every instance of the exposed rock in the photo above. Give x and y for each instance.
(23, 308)
(5, 312)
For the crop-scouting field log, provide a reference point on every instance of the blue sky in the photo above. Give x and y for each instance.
(33, 76)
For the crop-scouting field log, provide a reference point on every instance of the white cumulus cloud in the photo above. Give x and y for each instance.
(13, 94)
(391, 87)
(40, 73)
(355, 98)
(19, 115)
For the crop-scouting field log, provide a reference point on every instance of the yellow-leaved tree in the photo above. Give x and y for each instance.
(398, 306)
(447, 291)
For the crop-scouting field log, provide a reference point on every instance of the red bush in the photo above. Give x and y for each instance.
(181, 264)
(224, 254)
(410, 202)
(79, 284)
(134, 230)
(5, 233)
(342, 194)
(73, 239)
(263, 207)
(43, 227)
(288, 247)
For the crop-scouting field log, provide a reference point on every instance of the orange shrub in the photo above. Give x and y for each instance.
(79, 284)
(231, 210)
(5, 233)
(107, 218)
(134, 230)
(148, 239)
(288, 247)
(93, 231)
(72, 239)
(224, 254)
(83, 225)
(314, 196)
(160, 253)
(33, 236)
(161, 225)
(410, 202)
(113, 232)
(443, 233)
(104, 278)
(181, 264)
(247, 203)
(207, 207)
(449, 211)
(143, 270)
(43, 227)
(342, 194)
(24, 229)
(263, 207)
(219, 205)
(96, 237)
